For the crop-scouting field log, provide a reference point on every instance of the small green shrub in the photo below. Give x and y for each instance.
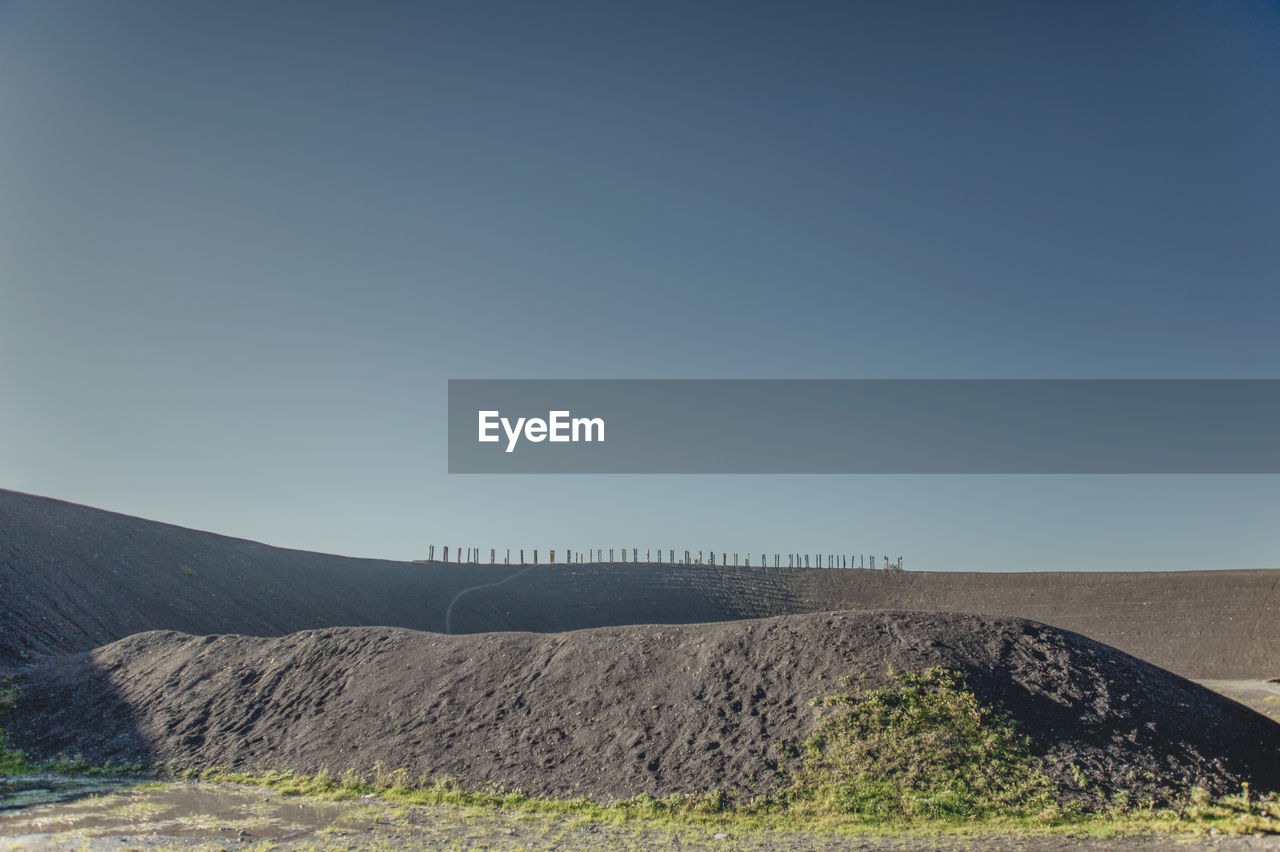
(923, 747)
(12, 761)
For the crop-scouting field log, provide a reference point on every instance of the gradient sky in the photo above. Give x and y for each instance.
(244, 245)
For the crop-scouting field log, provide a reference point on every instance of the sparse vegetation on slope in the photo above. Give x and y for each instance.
(15, 761)
(12, 761)
(923, 746)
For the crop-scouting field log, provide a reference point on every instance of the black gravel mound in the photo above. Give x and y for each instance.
(618, 711)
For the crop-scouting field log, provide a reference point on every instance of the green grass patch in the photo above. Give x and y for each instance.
(1230, 815)
(922, 747)
(14, 762)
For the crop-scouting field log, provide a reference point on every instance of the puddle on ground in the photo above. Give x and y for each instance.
(50, 811)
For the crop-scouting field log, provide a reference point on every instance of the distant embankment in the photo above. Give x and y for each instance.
(73, 578)
(1201, 624)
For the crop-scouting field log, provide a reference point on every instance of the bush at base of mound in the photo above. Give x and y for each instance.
(924, 746)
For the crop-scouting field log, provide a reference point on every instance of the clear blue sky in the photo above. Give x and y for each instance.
(244, 245)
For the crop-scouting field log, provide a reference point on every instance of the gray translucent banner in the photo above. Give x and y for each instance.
(865, 426)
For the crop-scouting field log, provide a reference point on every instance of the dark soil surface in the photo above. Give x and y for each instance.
(73, 578)
(613, 712)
